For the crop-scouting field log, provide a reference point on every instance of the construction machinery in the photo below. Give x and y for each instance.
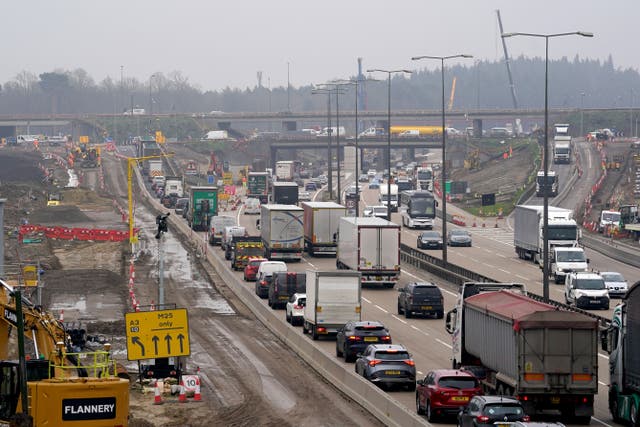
(59, 389)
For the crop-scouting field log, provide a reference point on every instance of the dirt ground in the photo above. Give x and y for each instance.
(248, 376)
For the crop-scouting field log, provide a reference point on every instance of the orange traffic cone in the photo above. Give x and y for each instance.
(196, 396)
(157, 398)
(183, 395)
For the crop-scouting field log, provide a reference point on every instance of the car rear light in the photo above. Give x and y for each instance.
(526, 418)
(482, 419)
(298, 307)
(410, 362)
(354, 338)
(321, 329)
(385, 338)
(374, 362)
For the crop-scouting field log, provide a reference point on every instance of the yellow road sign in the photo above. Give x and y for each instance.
(156, 334)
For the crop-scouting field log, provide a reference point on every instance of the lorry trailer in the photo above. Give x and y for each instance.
(321, 221)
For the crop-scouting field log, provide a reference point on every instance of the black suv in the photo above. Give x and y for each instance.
(484, 411)
(420, 298)
(354, 337)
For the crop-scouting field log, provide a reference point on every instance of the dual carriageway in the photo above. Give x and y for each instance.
(492, 255)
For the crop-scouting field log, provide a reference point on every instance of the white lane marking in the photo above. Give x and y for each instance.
(415, 327)
(309, 262)
(501, 256)
(504, 271)
(366, 300)
(419, 372)
(420, 278)
(604, 384)
(399, 319)
(603, 356)
(601, 422)
(521, 277)
(443, 343)
(473, 259)
(487, 250)
(380, 308)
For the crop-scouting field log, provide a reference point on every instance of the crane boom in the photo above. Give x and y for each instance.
(453, 94)
(507, 61)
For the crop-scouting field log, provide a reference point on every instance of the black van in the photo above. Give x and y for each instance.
(283, 285)
(420, 298)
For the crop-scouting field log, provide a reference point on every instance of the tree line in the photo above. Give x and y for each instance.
(480, 85)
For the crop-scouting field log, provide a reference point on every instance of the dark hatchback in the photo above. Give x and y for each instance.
(423, 298)
(484, 411)
(354, 338)
(387, 365)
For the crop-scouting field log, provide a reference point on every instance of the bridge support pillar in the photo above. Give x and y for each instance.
(273, 153)
(289, 126)
(411, 154)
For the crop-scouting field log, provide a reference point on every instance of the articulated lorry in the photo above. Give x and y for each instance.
(173, 186)
(622, 342)
(333, 299)
(321, 221)
(370, 246)
(550, 186)
(203, 205)
(282, 232)
(284, 193)
(545, 357)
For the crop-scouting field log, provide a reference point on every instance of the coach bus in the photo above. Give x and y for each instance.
(418, 208)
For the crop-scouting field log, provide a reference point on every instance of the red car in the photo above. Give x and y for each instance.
(251, 269)
(444, 392)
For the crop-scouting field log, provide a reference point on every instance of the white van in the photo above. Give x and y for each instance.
(412, 133)
(252, 206)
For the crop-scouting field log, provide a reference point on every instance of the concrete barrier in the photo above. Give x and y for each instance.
(380, 404)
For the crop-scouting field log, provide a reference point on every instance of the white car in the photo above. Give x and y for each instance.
(615, 282)
(252, 206)
(323, 179)
(371, 173)
(295, 309)
(304, 196)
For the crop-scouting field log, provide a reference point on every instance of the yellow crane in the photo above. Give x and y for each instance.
(453, 94)
(130, 162)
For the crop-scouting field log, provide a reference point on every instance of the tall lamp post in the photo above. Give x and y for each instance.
(150, 96)
(443, 177)
(582, 114)
(545, 198)
(389, 73)
(329, 167)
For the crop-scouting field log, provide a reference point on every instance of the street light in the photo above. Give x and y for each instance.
(329, 168)
(389, 73)
(582, 94)
(150, 97)
(443, 177)
(545, 196)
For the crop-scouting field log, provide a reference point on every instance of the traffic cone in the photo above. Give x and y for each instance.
(183, 395)
(62, 315)
(196, 396)
(153, 306)
(157, 398)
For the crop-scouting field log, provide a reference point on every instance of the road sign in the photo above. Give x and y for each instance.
(227, 178)
(156, 334)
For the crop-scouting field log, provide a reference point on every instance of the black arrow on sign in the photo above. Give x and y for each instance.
(181, 338)
(136, 340)
(155, 340)
(168, 340)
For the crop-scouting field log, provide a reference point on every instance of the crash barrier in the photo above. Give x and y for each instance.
(606, 248)
(378, 403)
(81, 234)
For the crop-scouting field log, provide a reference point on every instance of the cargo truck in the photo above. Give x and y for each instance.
(333, 299)
(545, 357)
(528, 238)
(384, 196)
(282, 287)
(282, 232)
(284, 193)
(203, 205)
(244, 249)
(622, 342)
(321, 221)
(173, 186)
(286, 170)
(562, 149)
(155, 168)
(370, 246)
(258, 186)
(548, 186)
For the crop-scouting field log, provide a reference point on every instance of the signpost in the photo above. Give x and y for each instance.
(157, 334)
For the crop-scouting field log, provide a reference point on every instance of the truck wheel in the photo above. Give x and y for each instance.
(314, 332)
(586, 420)
(613, 406)
(633, 414)
(399, 309)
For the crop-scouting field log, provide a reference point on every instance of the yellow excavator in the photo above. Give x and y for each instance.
(63, 388)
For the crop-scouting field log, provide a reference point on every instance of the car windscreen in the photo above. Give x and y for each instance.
(458, 382)
(590, 284)
(396, 355)
(426, 291)
(612, 277)
(570, 256)
(502, 409)
(430, 235)
(369, 328)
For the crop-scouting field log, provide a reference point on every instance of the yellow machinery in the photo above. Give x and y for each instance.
(64, 389)
(453, 94)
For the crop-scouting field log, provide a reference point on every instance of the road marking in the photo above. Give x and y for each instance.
(604, 384)
(521, 277)
(473, 259)
(366, 300)
(420, 278)
(603, 356)
(419, 373)
(399, 319)
(487, 250)
(601, 422)
(415, 327)
(380, 308)
(444, 343)
(501, 256)
(504, 271)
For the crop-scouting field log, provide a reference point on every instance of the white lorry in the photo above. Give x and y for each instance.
(155, 168)
(173, 186)
(562, 149)
(285, 170)
(282, 232)
(372, 247)
(384, 199)
(333, 299)
(528, 230)
(566, 260)
(216, 135)
(321, 221)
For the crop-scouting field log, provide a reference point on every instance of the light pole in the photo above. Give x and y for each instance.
(545, 197)
(389, 73)
(582, 114)
(329, 168)
(443, 177)
(631, 115)
(150, 96)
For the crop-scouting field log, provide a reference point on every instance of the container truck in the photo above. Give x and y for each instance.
(333, 299)
(384, 196)
(545, 357)
(562, 149)
(258, 186)
(285, 170)
(321, 221)
(284, 193)
(622, 342)
(173, 186)
(203, 205)
(282, 232)
(549, 186)
(528, 226)
(155, 168)
(370, 246)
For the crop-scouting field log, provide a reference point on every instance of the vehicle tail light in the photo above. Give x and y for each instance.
(374, 362)
(534, 377)
(410, 362)
(321, 329)
(526, 418)
(482, 419)
(298, 307)
(581, 377)
(385, 338)
(525, 398)
(354, 338)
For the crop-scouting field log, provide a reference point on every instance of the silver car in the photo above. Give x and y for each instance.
(616, 284)
(458, 237)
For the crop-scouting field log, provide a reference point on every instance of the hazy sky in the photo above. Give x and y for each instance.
(219, 43)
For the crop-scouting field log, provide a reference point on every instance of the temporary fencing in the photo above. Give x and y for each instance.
(82, 234)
